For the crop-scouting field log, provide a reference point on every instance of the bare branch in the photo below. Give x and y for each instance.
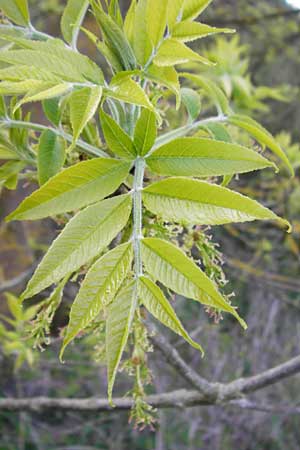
(14, 282)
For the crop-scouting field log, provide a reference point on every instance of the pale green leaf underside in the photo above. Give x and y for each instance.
(16, 10)
(129, 91)
(169, 265)
(98, 289)
(191, 201)
(83, 238)
(156, 303)
(118, 324)
(202, 157)
(78, 186)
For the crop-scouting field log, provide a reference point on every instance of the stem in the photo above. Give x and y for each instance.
(137, 215)
(89, 149)
(183, 131)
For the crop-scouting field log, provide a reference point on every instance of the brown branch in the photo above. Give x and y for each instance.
(15, 282)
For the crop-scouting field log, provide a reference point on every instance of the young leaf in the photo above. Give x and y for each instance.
(10, 169)
(129, 22)
(173, 52)
(44, 92)
(145, 132)
(119, 320)
(21, 73)
(193, 8)
(129, 91)
(20, 87)
(157, 304)
(51, 155)
(262, 135)
(72, 18)
(193, 201)
(156, 20)
(175, 8)
(192, 102)
(83, 105)
(200, 157)
(188, 31)
(98, 289)
(175, 270)
(83, 238)
(117, 140)
(16, 10)
(115, 37)
(141, 42)
(51, 108)
(80, 185)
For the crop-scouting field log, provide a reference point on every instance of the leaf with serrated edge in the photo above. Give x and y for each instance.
(145, 132)
(192, 201)
(200, 157)
(72, 18)
(188, 31)
(117, 140)
(83, 105)
(83, 238)
(173, 52)
(156, 303)
(129, 91)
(98, 289)
(80, 185)
(193, 8)
(168, 264)
(118, 324)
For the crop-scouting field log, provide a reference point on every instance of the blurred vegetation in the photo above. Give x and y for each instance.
(259, 72)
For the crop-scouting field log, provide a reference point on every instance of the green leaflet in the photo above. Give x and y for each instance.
(174, 12)
(51, 155)
(115, 38)
(262, 135)
(157, 304)
(192, 201)
(193, 8)
(72, 18)
(20, 87)
(192, 101)
(175, 270)
(16, 10)
(213, 91)
(156, 20)
(165, 76)
(51, 108)
(173, 52)
(80, 185)
(129, 91)
(7, 153)
(117, 140)
(54, 57)
(83, 238)
(98, 289)
(10, 169)
(141, 42)
(129, 22)
(118, 324)
(145, 132)
(188, 31)
(83, 106)
(200, 157)
(44, 92)
(20, 73)
(115, 12)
